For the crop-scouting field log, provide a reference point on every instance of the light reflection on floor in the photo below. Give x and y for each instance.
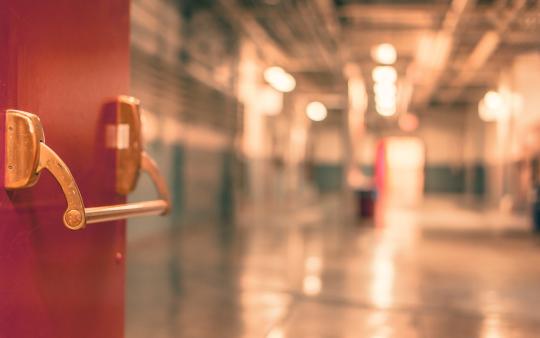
(440, 271)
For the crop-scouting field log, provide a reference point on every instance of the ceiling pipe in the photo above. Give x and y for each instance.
(249, 26)
(429, 68)
(483, 50)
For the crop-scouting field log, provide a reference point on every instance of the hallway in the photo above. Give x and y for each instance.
(270, 169)
(441, 270)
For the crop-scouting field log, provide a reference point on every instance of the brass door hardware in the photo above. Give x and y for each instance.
(27, 155)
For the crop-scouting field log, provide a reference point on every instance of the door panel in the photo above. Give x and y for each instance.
(64, 61)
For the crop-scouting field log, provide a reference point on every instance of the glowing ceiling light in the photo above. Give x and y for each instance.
(316, 111)
(386, 101)
(287, 84)
(271, 74)
(384, 53)
(493, 107)
(383, 89)
(279, 79)
(385, 111)
(384, 74)
(493, 100)
(486, 114)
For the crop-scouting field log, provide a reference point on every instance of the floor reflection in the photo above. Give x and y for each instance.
(309, 271)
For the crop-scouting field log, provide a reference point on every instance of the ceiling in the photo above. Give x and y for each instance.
(449, 51)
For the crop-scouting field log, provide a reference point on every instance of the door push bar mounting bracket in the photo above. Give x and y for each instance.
(27, 155)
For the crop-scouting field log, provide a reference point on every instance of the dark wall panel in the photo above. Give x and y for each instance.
(328, 177)
(444, 179)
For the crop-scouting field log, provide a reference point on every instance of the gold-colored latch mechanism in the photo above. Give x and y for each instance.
(27, 155)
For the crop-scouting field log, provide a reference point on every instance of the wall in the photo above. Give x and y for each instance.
(498, 155)
(327, 158)
(183, 69)
(508, 146)
(443, 134)
(476, 166)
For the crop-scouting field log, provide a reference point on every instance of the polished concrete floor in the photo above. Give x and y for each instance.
(306, 271)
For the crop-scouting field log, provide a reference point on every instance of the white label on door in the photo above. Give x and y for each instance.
(117, 136)
(122, 136)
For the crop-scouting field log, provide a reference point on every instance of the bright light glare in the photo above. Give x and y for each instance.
(385, 89)
(383, 272)
(492, 327)
(384, 53)
(276, 333)
(279, 79)
(384, 74)
(287, 84)
(484, 113)
(493, 100)
(386, 111)
(312, 285)
(316, 111)
(385, 101)
(272, 73)
(493, 107)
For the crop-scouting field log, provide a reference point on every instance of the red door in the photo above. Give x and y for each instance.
(62, 60)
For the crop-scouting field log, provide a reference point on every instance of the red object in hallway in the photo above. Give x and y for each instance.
(62, 60)
(380, 166)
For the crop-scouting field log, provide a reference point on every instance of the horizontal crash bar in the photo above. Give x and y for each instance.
(122, 211)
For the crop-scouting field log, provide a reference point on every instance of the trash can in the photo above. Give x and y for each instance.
(365, 201)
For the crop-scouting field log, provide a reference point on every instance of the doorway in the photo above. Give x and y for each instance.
(400, 170)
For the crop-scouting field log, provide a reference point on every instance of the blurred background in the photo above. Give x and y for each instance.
(339, 168)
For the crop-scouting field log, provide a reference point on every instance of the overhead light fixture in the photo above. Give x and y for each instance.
(279, 79)
(493, 107)
(273, 74)
(493, 100)
(385, 111)
(384, 53)
(485, 114)
(385, 89)
(384, 74)
(316, 111)
(388, 102)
